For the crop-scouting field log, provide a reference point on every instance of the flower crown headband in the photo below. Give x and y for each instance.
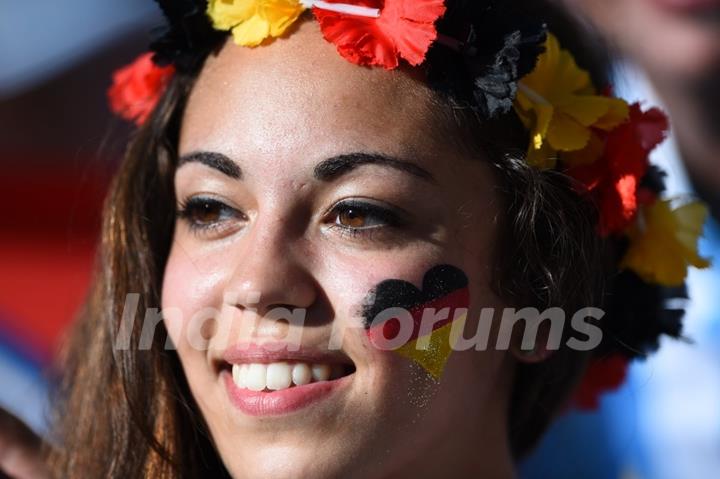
(501, 61)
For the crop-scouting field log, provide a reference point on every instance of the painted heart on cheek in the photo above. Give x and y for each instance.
(444, 290)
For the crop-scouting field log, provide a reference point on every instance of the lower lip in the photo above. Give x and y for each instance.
(688, 5)
(285, 401)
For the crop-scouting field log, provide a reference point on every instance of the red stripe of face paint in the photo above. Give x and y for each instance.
(391, 328)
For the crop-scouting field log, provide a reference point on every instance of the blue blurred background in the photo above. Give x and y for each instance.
(59, 146)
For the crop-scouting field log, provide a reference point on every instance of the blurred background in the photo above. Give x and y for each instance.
(59, 146)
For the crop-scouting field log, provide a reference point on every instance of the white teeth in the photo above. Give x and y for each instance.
(301, 374)
(244, 374)
(282, 375)
(256, 378)
(320, 372)
(279, 376)
(240, 374)
(236, 374)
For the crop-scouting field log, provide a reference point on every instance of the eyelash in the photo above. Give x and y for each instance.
(198, 205)
(387, 218)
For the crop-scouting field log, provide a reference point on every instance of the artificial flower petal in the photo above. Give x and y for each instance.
(624, 160)
(226, 15)
(618, 112)
(187, 37)
(566, 134)
(254, 21)
(137, 88)
(562, 91)
(603, 375)
(405, 29)
(495, 83)
(251, 32)
(663, 242)
(592, 110)
(588, 155)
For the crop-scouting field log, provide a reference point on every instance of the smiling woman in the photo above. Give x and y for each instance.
(320, 185)
(284, 178)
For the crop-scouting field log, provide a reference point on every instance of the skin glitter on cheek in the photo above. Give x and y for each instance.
(444, 287)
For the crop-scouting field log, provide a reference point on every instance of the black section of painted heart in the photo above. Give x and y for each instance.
(439, 281)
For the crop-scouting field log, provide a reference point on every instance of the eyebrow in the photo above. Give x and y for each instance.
(327, 170)
(216, 161)
(332, 168)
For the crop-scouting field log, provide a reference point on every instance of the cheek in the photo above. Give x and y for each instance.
(432, 293)
(190, 286)
(350, 282)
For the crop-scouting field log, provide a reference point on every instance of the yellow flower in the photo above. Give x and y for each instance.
(663, 242)
(558, 103)
(253, 21)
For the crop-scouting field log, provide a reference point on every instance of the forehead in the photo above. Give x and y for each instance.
(297, 95)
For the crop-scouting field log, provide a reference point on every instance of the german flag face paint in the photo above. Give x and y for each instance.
(425, 330)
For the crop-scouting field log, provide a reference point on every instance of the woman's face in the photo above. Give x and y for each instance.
(306, 182)
(675, 40)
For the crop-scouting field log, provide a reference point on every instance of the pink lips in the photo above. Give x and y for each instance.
(273, 403)
(284, 401)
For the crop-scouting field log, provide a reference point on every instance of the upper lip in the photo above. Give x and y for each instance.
(270, 352)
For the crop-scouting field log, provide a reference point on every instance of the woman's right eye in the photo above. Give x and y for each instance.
(208, 214)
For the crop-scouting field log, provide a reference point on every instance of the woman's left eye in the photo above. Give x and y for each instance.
(357, 216)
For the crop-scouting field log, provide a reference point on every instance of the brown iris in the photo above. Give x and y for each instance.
(203, 211)
(352, 218)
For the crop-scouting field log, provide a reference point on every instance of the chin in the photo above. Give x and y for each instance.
(317, 415)
(279, 461)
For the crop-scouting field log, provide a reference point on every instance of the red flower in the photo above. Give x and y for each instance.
(405, 28)
(603, 375)
(615, 177)
(137, 88)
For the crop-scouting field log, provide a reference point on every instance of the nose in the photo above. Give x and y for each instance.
(270, 272)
